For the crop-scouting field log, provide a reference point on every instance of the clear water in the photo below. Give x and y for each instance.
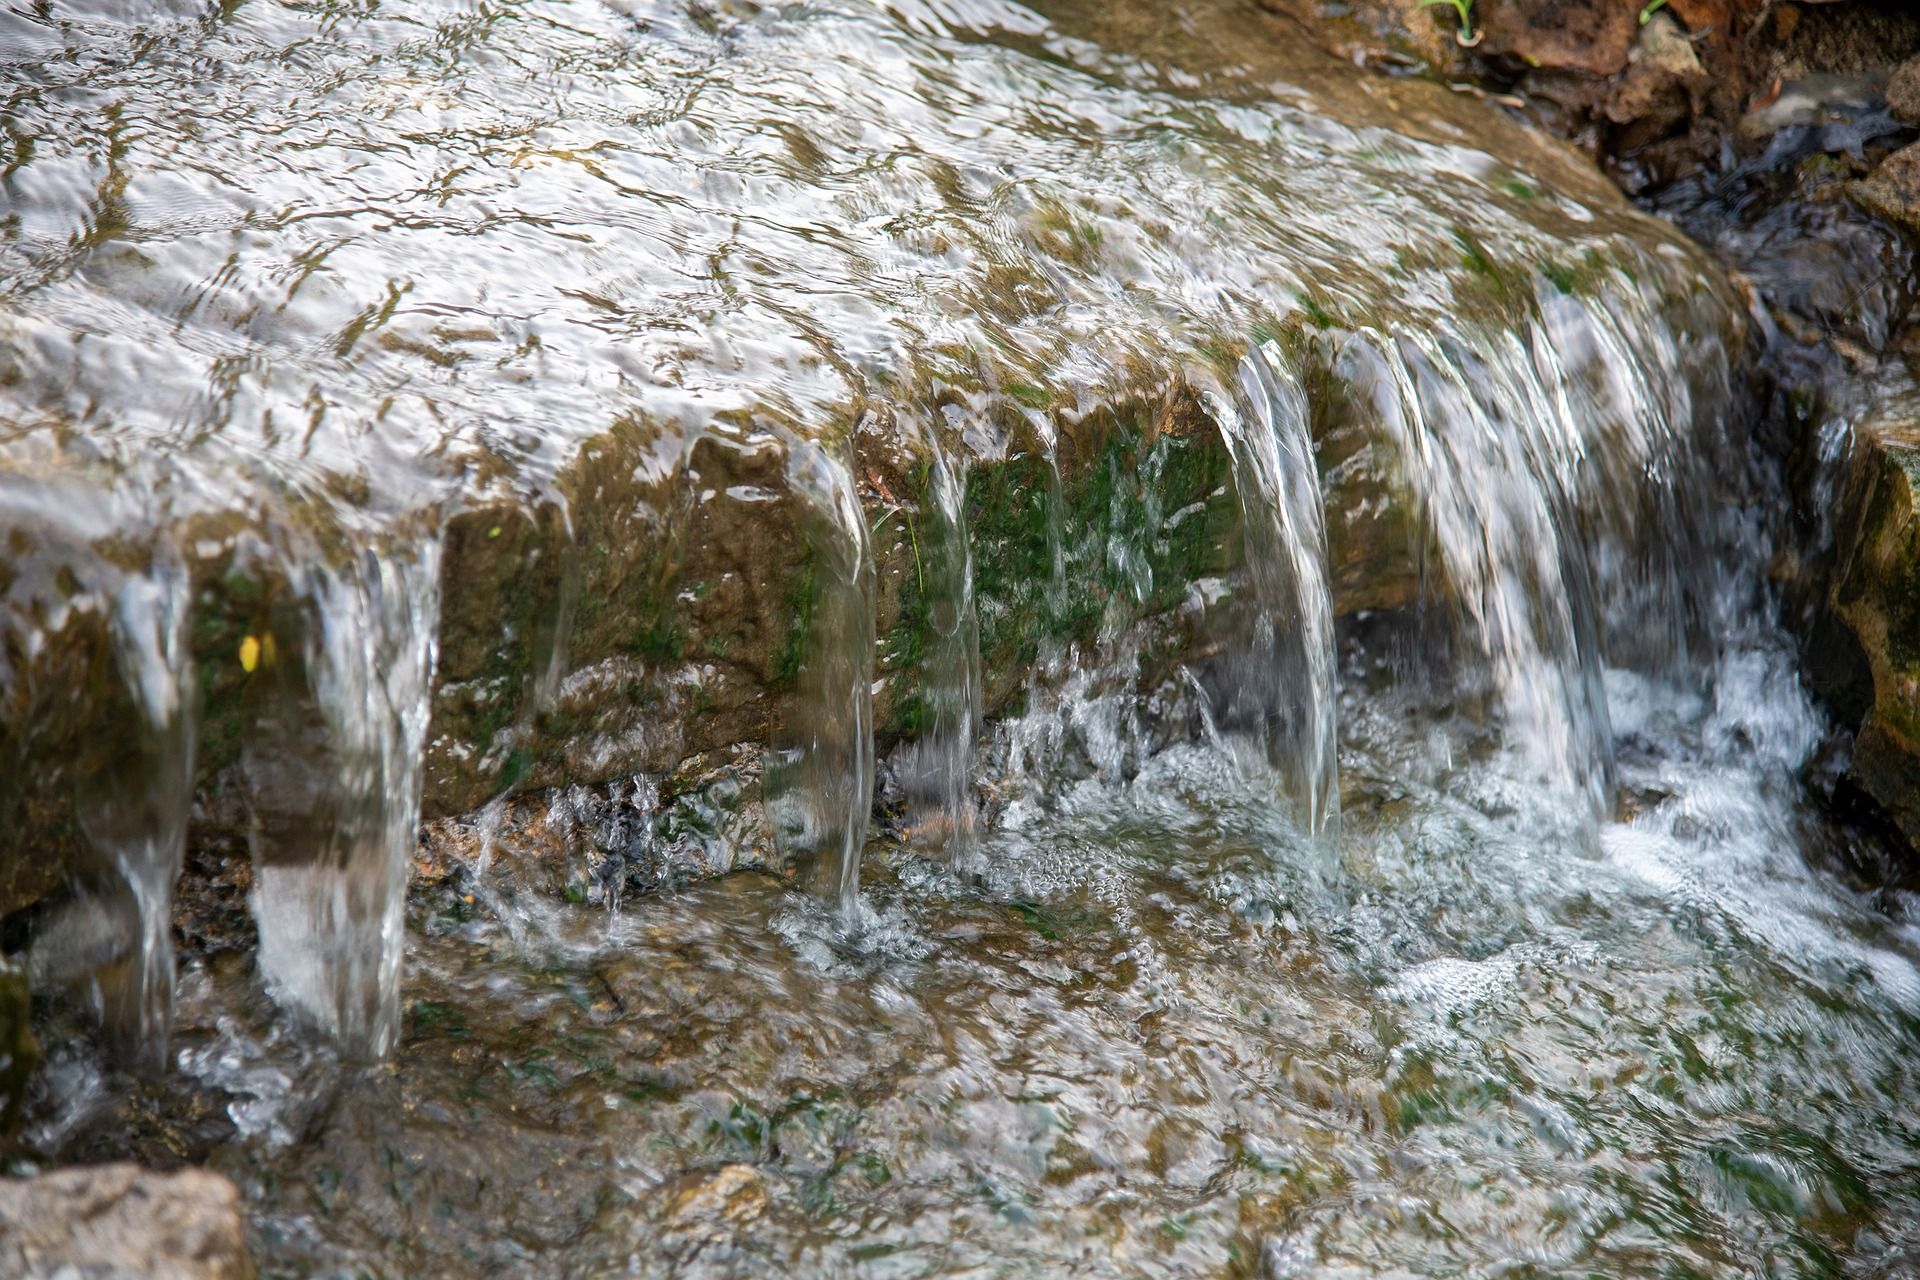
(1489, 936)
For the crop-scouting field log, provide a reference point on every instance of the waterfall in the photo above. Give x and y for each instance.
(337, 796)
(1283, 685)
(1481, 457)
(1560, 474)
(820, 785)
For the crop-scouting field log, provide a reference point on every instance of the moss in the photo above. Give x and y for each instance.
(1317, 313)
(1560, 276)
(495, 714)
(657, 638)
(801, 602)
(1483, 270)
(519, 763)
(1059, 232)
(1893, 538)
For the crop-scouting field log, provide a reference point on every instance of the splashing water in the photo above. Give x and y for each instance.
(1541, 462)
(138, 816)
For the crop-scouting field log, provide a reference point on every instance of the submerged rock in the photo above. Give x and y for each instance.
(122, 1222)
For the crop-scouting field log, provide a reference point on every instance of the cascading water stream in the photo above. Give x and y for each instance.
(136, 817)
(1498, 525)
(1284, 682)
(336, 795)
(939, 763)
(629, 363)
(821, 790)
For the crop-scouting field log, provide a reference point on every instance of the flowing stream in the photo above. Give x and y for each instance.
(1213, 607)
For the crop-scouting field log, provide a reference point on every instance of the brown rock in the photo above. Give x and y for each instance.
(1892, 191)
(1877, 595)
(122, 1222)
(1903, 91)
(1653, 92)
(1721, 21)
(715, 1205)
(1593, 36)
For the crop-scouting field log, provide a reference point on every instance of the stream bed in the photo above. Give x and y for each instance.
(1229, 598)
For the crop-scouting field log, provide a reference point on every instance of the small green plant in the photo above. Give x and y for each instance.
(1652, 8)
(1466, 35)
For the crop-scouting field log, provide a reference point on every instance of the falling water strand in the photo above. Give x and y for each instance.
(550, 639)
(940, 763)
(330, 870)
(136, 816)
(1056, 536)
(1284, 690)
(820, 785)
(1649, 449)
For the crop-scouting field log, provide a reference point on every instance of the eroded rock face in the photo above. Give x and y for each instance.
(122, 1222)
(1877, 593)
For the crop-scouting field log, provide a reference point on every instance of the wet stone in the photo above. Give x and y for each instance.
(1892, 191)
(1877, 594)
(1903, 91)
(19, 1052)
(122, 1222)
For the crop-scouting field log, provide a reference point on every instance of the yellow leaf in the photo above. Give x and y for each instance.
(249, 654)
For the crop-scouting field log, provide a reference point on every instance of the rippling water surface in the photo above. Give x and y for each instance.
(1547, 977)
